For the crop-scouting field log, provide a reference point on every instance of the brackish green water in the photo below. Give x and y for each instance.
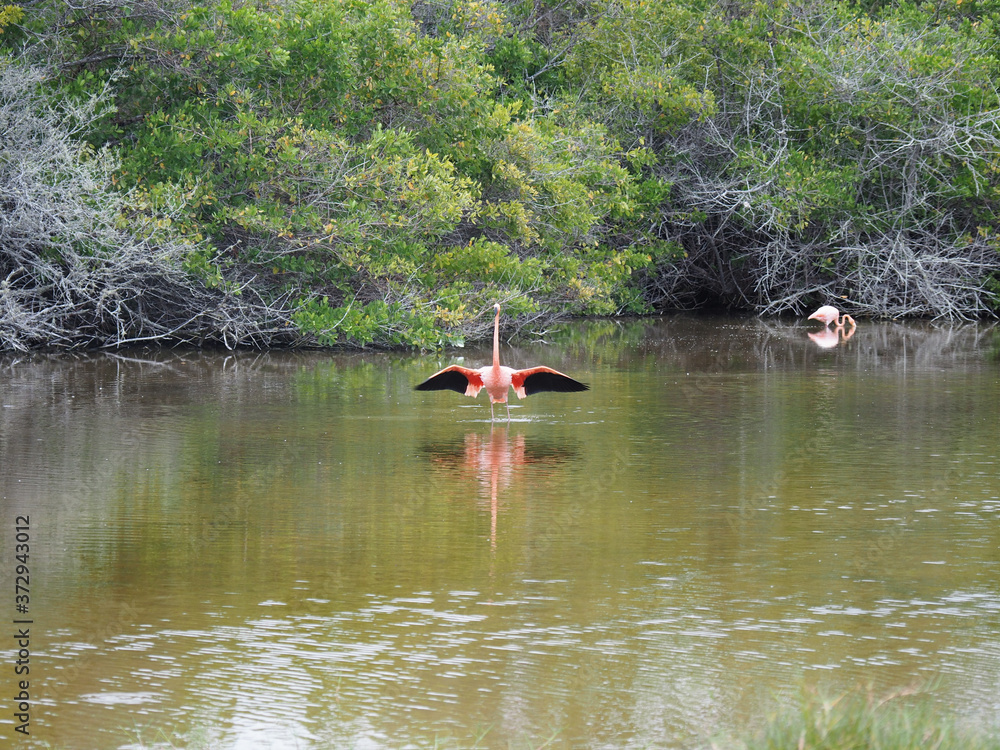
(298, 550)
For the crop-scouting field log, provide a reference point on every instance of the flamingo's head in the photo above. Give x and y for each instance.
(826, 315)
(497, 307)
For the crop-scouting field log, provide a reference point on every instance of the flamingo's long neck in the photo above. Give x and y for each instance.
(496, 340)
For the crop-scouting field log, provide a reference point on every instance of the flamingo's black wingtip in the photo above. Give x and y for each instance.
(446, 380)
(546, 380)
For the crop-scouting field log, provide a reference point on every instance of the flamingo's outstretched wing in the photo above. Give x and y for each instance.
(538, 379)
(454, 378)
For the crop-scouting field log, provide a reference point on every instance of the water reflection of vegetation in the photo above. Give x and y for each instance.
(994, 351)
(609, 335)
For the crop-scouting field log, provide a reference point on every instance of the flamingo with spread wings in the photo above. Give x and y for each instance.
(498, 380)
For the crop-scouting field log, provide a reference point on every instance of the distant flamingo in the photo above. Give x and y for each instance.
(498, 380)
(828, 314)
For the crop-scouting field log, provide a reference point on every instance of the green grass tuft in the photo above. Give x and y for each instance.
(857, 720)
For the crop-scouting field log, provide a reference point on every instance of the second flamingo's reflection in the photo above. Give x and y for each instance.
(830, 337)
(497, 461)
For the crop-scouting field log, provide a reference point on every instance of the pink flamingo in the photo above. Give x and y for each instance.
(499, 380)
(829, 314)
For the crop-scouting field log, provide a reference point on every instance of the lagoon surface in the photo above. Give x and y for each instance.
(296, 549)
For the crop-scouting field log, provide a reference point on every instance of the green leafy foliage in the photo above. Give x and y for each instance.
(385, 323)
(410, 164)
(10, 14)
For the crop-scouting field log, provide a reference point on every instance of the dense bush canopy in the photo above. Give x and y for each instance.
(345, 172)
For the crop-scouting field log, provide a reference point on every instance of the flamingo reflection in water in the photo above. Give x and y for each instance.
(830, 337)
(495, 461)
